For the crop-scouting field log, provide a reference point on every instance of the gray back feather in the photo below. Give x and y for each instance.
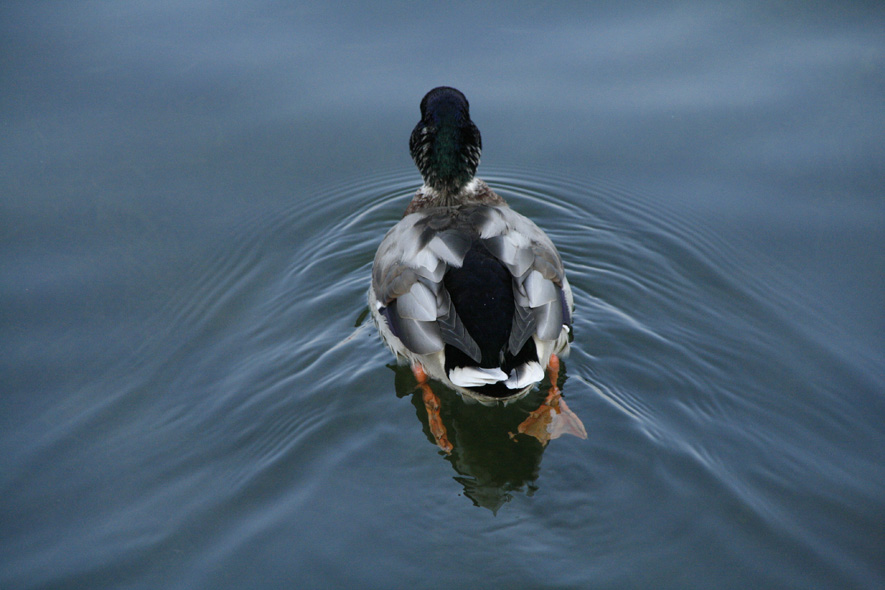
(415, 254)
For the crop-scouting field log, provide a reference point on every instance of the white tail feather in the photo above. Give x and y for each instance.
(476, 376)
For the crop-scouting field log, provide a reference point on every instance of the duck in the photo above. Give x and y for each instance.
(464, 289)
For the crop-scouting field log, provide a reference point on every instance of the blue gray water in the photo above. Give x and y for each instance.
(191, 194)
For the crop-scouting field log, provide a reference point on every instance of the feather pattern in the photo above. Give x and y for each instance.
(416, 254)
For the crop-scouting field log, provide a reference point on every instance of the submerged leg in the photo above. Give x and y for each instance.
(432, 405)
(553, 418)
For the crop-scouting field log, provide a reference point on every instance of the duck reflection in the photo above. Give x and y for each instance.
(496, 450)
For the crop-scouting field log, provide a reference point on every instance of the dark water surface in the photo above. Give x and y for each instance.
(191, 194)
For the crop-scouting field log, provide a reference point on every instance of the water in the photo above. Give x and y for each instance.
(191, 198)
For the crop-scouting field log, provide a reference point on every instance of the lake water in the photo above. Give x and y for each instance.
(191, 194)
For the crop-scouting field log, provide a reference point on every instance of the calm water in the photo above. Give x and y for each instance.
(191, 198)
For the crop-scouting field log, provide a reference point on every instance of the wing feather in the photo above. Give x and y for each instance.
(412, 260)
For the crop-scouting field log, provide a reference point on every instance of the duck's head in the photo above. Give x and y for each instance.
(445, 143)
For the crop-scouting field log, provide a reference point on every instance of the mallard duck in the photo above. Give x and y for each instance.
(465, 289)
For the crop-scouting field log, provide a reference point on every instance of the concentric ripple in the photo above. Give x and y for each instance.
(702, 387)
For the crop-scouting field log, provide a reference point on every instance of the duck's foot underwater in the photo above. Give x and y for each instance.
(553, 418)
(432, 405)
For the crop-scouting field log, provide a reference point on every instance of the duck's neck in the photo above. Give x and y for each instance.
(475, 192)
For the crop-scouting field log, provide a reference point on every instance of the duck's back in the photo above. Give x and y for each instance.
(475, 293)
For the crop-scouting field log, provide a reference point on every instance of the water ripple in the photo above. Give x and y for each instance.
(683, 368)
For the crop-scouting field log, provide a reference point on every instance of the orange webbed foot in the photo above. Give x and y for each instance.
(553, 418)
(432, 405)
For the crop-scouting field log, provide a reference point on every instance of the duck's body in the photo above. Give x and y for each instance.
(464, 287)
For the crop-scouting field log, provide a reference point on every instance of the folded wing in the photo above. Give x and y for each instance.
(410, 264)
